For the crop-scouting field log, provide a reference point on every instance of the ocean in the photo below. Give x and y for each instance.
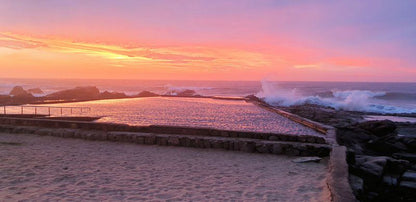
(387, 98)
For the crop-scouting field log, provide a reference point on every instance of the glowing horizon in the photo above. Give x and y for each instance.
(209, 40)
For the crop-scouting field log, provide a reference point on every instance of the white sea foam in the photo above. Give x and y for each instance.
(174, 90)
(352, 100)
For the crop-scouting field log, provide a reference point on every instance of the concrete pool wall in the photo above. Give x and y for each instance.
(300, 145)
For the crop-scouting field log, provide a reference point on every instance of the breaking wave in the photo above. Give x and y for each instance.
(351, 100)
(173, 90)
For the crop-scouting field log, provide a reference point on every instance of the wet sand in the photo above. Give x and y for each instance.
(42, 167)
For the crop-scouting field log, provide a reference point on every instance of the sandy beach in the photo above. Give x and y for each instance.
(39, 168)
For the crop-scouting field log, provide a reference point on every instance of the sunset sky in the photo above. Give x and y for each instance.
(209, 40)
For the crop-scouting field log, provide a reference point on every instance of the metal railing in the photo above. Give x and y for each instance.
(34, 109)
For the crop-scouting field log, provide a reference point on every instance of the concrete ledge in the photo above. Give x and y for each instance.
(227, 143)
(298, 119)
(160, 129)
(337, 179)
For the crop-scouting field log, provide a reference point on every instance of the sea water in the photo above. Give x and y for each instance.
(387, 98)
(235, 115)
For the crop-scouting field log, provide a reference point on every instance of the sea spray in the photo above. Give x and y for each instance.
(351, 100)
(273, 94)
(174, 90)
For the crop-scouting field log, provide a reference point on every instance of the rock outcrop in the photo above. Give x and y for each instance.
(18, 91)
(20, 96)
(112, 95)
(17, 96)
(381, 154)
(78, 93)
(379, 128)
(146, 94)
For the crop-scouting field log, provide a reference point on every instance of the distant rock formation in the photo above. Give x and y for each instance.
(18, 91)
(146, 94)
(112, 95)
(35, 91)
(20, 96)
(183, 93)
(78, 93)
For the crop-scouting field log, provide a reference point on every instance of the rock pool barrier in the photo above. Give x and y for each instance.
(287, 144)
(179, 138)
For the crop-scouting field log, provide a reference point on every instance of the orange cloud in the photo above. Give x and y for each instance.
(130, 56)
(46, 57)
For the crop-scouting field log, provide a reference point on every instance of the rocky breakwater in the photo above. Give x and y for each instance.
(381, 154)
(382, 161)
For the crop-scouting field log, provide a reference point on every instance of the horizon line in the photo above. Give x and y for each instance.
(207, 80)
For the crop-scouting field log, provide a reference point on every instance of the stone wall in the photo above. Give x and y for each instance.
(215, 142)
(306, 122)
(161, 130)
(337, 180)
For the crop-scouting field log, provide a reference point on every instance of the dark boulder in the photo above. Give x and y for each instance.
(406, 156)
(326, 115)
(409, 181)
(371, 166)
(357, 185)
(409, 175)
(78, 93)
(354, 138)
(410, 142)
(386, 145)
(379, 128)
(374, 167)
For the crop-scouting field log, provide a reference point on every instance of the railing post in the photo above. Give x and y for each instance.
(22, 109)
